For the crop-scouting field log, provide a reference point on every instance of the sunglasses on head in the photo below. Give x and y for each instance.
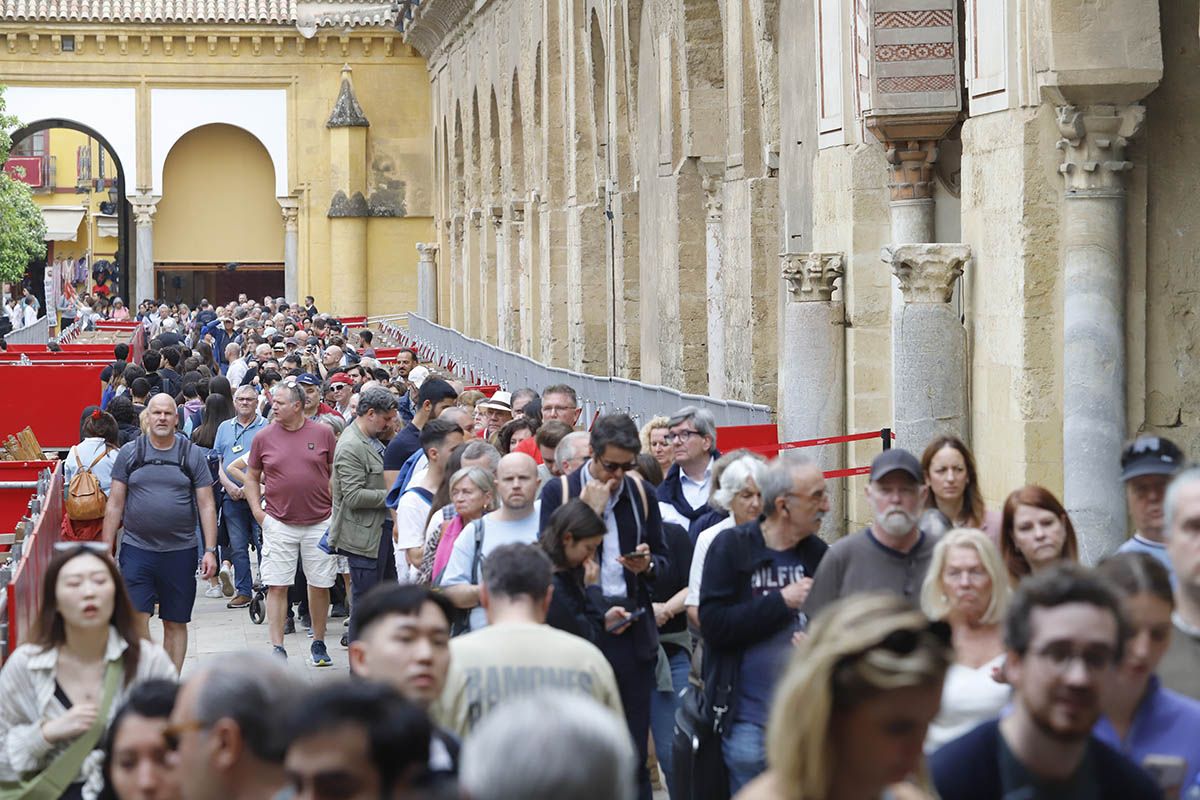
(92, 547)
(904, 641)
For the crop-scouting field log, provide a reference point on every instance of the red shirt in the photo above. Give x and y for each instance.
(295, 469)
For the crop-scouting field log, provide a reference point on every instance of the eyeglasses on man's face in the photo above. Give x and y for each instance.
(681, 436)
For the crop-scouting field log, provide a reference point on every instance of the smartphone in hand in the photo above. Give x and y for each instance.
(633, 617)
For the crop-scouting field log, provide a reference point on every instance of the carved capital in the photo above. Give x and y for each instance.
(911, 168)
(927, 271)
(712, 181)
(289, 209)
(1093, 146)
(144, 206)
(426, 252)
(516, 210)
(810, 276)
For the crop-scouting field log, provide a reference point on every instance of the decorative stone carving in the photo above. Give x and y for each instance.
(911, 168)
(144, 206)
(516, 211)
(810, 276)
(927, 271)
(289, 209)
(907, 58)
(1093, 146)
(347, 113)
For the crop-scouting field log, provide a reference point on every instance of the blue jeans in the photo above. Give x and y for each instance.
(663, 706)
(242, 531)
(744, 748)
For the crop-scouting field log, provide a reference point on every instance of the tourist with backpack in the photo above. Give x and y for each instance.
(87, 476)
(161, 484)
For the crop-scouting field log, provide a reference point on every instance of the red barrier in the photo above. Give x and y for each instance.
(488, 389)
(112, 325)
(764, 439)
(353, 322)
(25, 589)
(48, 398)
(14, 502)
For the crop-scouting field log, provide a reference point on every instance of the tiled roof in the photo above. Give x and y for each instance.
(260, 12)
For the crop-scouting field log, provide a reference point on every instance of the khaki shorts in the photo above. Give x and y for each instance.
(284, 544)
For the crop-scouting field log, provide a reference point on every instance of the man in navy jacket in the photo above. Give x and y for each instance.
(756, 578)
(1065, 635)
(630, 557)
(692, 434)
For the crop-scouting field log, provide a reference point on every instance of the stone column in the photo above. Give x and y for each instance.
(289, 207)
(812, 374)
(427, 305)
(1093, 251)
(929, 344)
(144, 206)
(713, 183)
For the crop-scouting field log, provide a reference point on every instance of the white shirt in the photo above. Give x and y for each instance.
(412, 512)
(612, 574)
(969, 697)
(699, 553)
(237, 370)
(27, 700)
(696, 492)
(31, 315)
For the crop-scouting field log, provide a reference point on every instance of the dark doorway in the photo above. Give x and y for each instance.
(189, 283)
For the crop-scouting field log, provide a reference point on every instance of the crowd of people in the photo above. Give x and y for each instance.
(535, 609)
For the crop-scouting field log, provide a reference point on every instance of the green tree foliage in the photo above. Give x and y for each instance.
(22, 229)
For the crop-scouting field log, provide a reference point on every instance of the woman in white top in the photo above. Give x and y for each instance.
(82, 658)
(967, 586)
(737, 492)
(97, 451)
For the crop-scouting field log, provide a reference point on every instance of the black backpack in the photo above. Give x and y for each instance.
(140, 460)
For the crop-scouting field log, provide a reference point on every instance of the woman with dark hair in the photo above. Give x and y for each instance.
(123, 412)
(216, 410)
(1035, 532)
(204, 352)
(571, 538)
(513, 432)
(954, 499)
(62, 687)
(100, 440)
(1153, 726)
(135, 751)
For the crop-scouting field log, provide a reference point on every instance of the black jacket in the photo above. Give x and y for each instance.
(576, 609)
(670, 491)
(635, 524)
(668, 584)
(968, 768)
(732, 618)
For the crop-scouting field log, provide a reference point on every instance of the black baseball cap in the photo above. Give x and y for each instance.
(897, 458)
(1150, 455)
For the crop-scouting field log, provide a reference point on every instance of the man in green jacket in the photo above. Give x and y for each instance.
(359, 491)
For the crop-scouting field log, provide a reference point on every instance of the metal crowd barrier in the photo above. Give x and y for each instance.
(37, 333)
(21, 576)
(480, 362)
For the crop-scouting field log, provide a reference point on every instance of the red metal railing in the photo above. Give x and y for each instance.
(24, 592)
(765, 439)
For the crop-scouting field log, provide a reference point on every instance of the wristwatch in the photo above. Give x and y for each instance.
(212, 550)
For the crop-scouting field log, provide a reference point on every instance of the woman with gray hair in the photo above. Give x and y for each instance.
(472, 494)
(737, 492)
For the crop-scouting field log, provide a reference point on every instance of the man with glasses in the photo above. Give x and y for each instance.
(756, 578)
(226, 738)
(341, 388)
(1147, 464)
(892, 554)
(1065, 634)
(692, 435)
(630, 556)
(233, 440)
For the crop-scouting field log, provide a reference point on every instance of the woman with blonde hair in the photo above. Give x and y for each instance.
(967, 587)
(654, 442)
(851, 711)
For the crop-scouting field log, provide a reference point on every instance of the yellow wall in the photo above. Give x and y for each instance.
(218, 201)
(64, 144)
(390, 81)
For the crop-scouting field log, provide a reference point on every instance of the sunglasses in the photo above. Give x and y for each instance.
(615, 466)
(904, 642)
(100, 548)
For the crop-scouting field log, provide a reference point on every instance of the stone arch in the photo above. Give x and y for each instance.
(599, 89)
(496, 161)
(517, 140)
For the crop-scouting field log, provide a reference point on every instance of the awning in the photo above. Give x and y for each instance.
(62, 222)
(106, 225)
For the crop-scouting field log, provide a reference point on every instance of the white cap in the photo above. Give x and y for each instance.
(417, 376)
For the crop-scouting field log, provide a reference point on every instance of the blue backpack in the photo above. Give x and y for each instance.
(403, 478)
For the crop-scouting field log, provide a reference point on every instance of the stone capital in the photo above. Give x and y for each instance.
(516, 210)
(144, 206)
(910, 168)
(1093, 146)
(426, 251)
(289, 209)
(927, 272)
(810, 276)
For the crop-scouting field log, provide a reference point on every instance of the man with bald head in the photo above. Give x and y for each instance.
(516, 521)
(161, 487)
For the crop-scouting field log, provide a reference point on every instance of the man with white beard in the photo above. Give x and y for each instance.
(890, 555)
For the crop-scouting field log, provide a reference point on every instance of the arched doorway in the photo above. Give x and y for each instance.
(218, 230)
(107, 211)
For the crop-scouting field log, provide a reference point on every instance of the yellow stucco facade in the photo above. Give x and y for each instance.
(221, 130)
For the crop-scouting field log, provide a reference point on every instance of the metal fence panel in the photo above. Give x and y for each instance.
(491, 364)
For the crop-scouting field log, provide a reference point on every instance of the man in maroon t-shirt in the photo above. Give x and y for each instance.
(293, 458)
